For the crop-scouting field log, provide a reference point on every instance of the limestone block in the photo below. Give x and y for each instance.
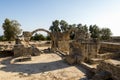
(111, 66)
(63, 45)
(70, 59)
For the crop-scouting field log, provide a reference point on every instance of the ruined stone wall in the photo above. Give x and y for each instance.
(63, 46)
(61, 41)
(6, 48)
(111, 66)
(115, 39)
(77, 50)
(109, 47)
(109, 50)
(27, 35)
(22, 50)
(93, 49)
(23, 47)
(84, 50)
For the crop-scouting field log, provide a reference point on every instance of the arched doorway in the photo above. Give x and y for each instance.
(44, 44)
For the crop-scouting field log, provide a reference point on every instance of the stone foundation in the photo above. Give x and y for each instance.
(83, 51)
(63, 45)
(111, 66)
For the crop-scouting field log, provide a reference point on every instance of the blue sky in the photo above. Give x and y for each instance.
(33, 14)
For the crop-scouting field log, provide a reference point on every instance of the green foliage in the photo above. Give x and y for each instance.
(48, 37)
(72, 34)
(105, 33)
(2, 38)
(38, 37)
(83, 27)
(63, 26)
(80, 27)
(55, 26)
(95, 31)
(59, 26)
(11, 29)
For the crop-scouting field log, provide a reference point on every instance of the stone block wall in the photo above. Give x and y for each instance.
(63, 46)
(93, 49)
(109, 47)
(83, 50)
(22, 50)
(109, 50)
(108, 55)
(111, 66)
(25, 50)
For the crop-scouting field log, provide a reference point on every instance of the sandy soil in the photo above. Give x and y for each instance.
(43, 67)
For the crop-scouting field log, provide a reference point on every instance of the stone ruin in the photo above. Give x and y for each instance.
(82, 50)
(23, 48)
(59, 41)
(6, 48)
(104, 56)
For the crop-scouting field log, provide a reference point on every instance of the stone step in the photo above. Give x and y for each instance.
(89, 67)
(96, 60)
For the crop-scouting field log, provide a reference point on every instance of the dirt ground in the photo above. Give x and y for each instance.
(43, 67)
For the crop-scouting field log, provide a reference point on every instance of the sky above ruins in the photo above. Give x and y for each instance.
(33, 14)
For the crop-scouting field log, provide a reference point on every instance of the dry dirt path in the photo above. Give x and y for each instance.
(43, 67)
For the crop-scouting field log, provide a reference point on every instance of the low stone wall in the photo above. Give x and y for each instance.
(22, 50)
(7, 45)
(108, 55)
(109, 47)
(25, 50)
(111, 66)
(109, 50)
(6, 48)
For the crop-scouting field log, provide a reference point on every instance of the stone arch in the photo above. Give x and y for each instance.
(40, 30)
(27, 35)
(50, 34)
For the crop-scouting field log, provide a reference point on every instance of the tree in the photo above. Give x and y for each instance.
(48, 37)
(95, 31)
(59, 26)
(38, 37)
(55, 26)
(11, 29)
(105, 33)
(72, 34)
(63, 26)
(2, 38)
(83, 28)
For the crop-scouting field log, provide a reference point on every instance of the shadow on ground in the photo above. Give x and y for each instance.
(34, 68)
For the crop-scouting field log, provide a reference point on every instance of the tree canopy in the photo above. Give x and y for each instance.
(83, 27)
(59, 26)
(105, 33)
(39, 36)
(11, 29)
(55, 26)
(93, 30)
